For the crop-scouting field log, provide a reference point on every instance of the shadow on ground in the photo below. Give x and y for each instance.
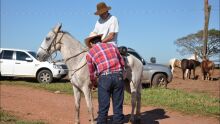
(148, 117)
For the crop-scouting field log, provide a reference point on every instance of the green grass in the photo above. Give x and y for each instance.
(62, 87)
(190, 103)
(6, 118)
(179, 100)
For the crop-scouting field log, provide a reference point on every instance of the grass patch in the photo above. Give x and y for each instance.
(190, 103)
(52, 87)
(6, 118)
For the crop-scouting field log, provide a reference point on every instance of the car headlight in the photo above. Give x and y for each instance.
(57, 66)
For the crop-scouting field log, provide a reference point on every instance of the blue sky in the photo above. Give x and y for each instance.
(149, 26)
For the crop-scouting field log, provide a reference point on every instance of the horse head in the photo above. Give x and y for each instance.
(50, 44)
(197, 63)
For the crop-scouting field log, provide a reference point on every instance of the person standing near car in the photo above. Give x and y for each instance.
(106, 24)
(104, 60)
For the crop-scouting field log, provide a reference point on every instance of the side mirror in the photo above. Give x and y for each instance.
(153, 59)
(29, 59)
(143, 61)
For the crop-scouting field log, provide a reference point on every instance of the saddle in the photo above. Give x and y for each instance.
(124, 53)
(123, 50)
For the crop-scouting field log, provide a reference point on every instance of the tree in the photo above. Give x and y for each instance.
(194, 43)
(207, 9)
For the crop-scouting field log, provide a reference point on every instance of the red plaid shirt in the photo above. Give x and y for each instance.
(104, 57)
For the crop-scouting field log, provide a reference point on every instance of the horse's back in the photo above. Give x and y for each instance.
(189, 64)
(134, 73)
(135, 64)
(207, 65)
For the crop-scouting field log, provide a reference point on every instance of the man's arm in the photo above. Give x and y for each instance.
(121, 60)
(91, 69)
(110, 37)
(113, 30)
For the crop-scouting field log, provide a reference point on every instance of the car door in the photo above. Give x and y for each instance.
(23, 66)
(7, 63)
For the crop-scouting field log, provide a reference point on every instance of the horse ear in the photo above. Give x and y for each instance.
(58, 27)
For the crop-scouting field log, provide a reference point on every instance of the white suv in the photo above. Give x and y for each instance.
(23, 63)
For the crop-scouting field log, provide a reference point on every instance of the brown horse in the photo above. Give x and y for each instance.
(207, 68)
(189, 64)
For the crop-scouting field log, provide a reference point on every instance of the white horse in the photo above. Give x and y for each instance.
(74, 55)
(174, 63)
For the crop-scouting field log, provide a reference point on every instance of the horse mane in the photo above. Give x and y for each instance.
(67, 33)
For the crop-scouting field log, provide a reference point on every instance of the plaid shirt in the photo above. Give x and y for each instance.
(104, 57)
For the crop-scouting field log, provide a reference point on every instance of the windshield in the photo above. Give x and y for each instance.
(33, 54)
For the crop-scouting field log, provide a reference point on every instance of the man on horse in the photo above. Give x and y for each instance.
(105, 61)
(106, 24)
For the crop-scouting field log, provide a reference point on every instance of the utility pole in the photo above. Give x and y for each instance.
(207, 9)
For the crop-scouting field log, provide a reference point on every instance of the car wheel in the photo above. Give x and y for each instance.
(159, 80)
(44, 76)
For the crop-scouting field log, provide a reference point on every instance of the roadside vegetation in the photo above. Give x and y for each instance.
(179, 100)
(190, 103)
(6, 118)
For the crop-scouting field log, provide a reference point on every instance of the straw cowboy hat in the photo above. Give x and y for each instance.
(92, 35)
(102, 8)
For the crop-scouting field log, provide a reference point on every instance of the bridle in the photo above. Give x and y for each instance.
(53, 44)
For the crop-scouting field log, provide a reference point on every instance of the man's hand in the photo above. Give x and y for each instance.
(93, 84)
(124, 74)
(109, 38)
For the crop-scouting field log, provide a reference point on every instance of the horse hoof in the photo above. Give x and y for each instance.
(132, 119)
(77, 123)
(94, 122)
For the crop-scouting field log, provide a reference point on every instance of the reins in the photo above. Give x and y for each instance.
(75, 55)
(54, 43)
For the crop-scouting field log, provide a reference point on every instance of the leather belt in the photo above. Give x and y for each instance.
(114, 72)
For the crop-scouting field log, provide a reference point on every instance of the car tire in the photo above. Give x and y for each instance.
(44, 76)
(159, 80)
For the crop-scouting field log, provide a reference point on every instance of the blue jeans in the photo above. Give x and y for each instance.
(110, 85)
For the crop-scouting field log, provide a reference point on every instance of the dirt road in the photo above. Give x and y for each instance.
(35, 104)
(203, 86)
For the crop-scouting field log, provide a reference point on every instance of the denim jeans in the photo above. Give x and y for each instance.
(111, 85)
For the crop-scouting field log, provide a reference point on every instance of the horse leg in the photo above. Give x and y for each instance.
(133, 91)
(186, 73)
(77, 96)
(183, 70)
(133, 105)
(189, 73)
(204, 75)
(88, 97)
(138, 109)
(209, 75)
(172, 69)
(194, 74)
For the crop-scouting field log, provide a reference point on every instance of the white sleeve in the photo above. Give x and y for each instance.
(96, 28)
(114, 27)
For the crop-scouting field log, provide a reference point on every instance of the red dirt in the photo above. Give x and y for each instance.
(204, 86)
(34, 104)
